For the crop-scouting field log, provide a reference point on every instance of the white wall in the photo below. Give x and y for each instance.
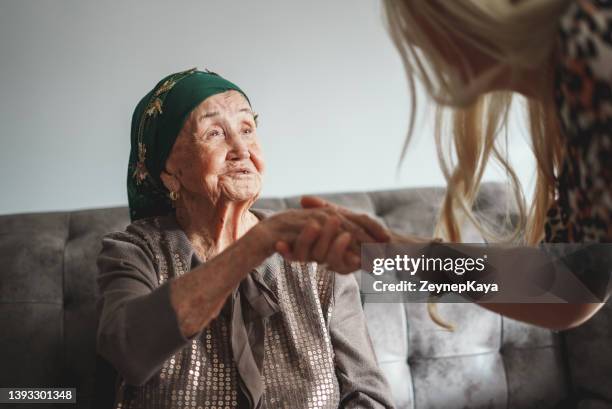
(323, 75)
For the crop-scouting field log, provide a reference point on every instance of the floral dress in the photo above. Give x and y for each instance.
(583, 209)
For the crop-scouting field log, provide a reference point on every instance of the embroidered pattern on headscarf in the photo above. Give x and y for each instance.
(154, 108)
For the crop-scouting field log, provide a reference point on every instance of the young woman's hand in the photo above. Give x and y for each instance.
(379, 232)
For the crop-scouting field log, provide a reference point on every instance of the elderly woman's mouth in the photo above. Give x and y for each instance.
(239, 172)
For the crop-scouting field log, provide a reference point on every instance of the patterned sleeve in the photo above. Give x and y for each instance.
(137, 328)
(583, 210)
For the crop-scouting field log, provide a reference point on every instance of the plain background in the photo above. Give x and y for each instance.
(323, 75)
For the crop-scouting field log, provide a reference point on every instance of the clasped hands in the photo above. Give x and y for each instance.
(325, 233)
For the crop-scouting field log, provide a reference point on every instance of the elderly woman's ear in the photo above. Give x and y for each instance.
(170, 181)
(170, 175)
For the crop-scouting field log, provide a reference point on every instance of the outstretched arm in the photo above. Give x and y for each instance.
(558, 316)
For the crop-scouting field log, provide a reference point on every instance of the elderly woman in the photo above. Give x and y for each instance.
(197, 308)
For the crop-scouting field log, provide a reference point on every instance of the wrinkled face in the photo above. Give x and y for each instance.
(217, 153)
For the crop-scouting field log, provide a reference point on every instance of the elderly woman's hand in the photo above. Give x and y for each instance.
(321, 234)
(324, 233)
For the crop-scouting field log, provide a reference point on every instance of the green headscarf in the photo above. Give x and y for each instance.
(156, 123)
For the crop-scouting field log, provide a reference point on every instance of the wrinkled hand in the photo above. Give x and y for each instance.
(333, 237)
(321, 234)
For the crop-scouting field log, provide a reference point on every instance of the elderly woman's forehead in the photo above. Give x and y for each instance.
(227, 100)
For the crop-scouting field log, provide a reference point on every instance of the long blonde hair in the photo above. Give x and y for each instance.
(519, 35)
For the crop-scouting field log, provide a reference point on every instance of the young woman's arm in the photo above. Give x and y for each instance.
(553, 316)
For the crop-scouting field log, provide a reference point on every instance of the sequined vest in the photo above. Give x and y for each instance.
(298, 358)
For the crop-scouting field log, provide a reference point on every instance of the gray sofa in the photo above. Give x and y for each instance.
(47, 320)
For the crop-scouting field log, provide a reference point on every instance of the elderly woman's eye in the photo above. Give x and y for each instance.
(214, 133)
(247, 131)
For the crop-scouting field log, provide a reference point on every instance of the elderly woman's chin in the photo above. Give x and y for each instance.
(240, 187)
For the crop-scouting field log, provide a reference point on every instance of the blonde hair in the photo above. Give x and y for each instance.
(519, 35)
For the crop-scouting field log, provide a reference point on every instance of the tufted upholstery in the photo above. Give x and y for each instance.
(47, 319)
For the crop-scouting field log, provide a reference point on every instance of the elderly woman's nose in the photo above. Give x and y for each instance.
(238, 149)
